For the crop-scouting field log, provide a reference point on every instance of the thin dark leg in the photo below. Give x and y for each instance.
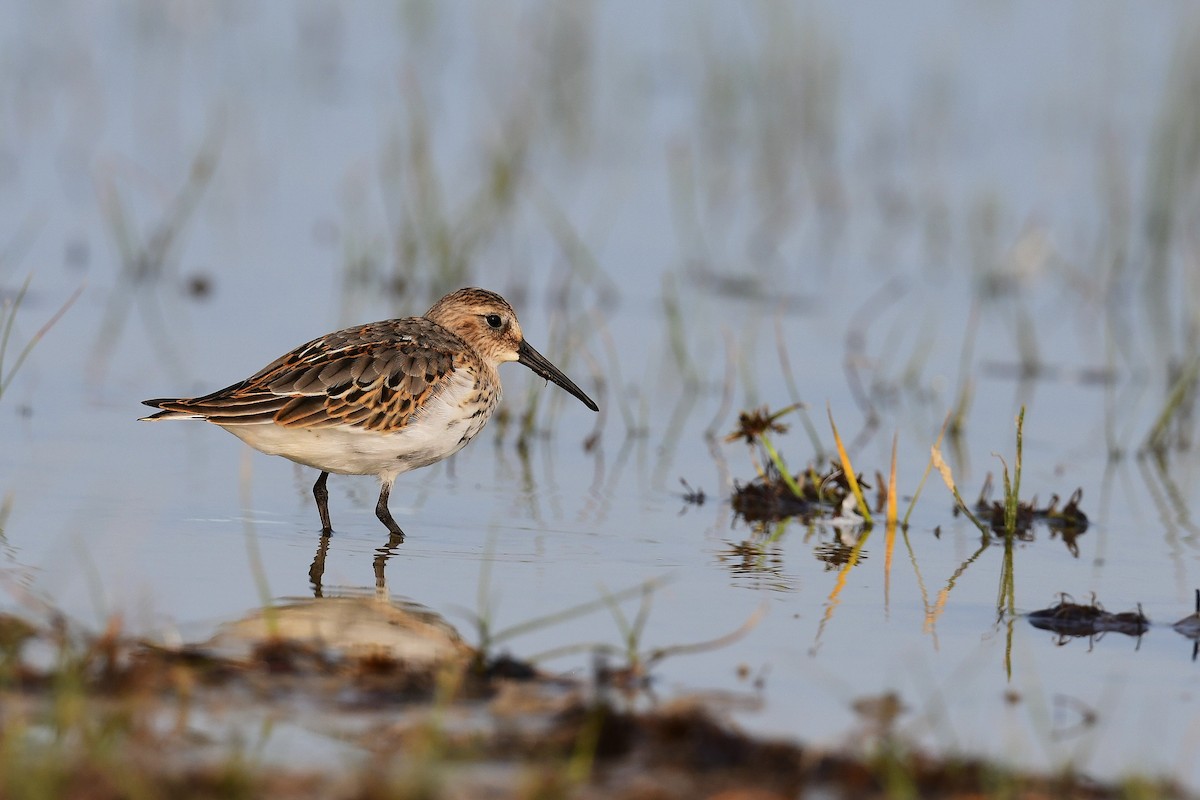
(322, 494)
(385, 516)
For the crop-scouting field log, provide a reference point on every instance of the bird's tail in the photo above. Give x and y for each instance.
(172, 408)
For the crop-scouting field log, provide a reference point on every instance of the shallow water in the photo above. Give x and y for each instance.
(869, 188)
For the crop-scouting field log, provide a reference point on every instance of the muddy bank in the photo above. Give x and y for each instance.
(383, 699)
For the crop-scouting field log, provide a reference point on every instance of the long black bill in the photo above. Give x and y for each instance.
(538, 363)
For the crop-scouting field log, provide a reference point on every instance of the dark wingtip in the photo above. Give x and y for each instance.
(163, 402)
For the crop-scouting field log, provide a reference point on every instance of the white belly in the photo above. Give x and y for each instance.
(440, 430)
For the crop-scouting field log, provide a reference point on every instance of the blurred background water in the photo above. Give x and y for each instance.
(696, 208)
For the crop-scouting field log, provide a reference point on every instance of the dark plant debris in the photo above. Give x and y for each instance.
(837, 553)
(693, 497)
(1189, 626)
(752, 425)
(1071, 619)
(768, 498)
(1069, 521)
(774, 496)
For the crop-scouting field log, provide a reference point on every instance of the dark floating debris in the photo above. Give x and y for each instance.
(838, 553)
(776, 494)
(1189, 626)
(693, 497)
(1069, 521)
(199, 286)
(1069, 618)
(753, 424)
(769, 498)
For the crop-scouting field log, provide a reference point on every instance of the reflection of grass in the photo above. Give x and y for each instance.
(760, 557)
(8, 317)
(638, 661)
(145, 259)
(1174, 166)
(1168, 278)
(1006, 598)
(1006, 601)
(768, 128)
(439, 235)
(634, 674)
(831, 602)
(1012, 507)
(1177, 406)
(488, 637)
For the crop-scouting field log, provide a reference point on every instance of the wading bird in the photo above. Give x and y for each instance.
(378, 399)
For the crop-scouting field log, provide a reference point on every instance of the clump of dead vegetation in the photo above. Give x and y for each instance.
(776, 493)
(769, 498)
(1070, 619)
(1069, 521)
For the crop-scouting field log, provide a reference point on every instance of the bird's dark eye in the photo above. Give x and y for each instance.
(494, 321)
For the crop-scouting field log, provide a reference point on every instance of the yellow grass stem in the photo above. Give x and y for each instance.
(891, 489)
(848, 468)
(943, 469)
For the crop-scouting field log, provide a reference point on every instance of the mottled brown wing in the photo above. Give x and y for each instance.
(373, 377)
